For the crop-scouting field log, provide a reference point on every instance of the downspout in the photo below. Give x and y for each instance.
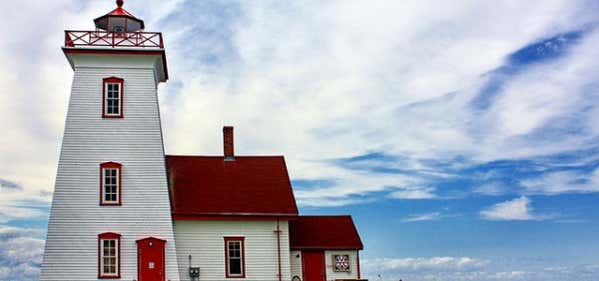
(278, 231)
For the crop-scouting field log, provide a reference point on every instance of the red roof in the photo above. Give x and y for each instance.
(213, 186)
(118, 12)
(324, 233)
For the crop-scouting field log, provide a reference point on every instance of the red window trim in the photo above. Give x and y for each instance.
(119, 186)
(122, 89)
(242, 240)
(106, 236)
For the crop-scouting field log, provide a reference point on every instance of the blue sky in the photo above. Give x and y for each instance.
(461, 136)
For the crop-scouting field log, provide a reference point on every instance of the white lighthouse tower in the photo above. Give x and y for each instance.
(110, 216)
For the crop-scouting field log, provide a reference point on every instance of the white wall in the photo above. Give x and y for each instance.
(76, 219)
(204, 240)
(330, 265)
(296, 264)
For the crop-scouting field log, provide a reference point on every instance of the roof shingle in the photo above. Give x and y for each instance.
(213, 186)
(324, 233)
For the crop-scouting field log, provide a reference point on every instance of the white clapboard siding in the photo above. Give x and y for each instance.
(204, 240)
(296, 264)
(76, 219)
(330, 265)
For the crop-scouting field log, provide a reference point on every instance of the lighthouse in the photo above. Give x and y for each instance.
(111, 215)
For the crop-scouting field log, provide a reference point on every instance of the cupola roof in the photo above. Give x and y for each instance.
(119, 20)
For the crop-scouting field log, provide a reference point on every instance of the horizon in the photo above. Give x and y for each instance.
(461, 137)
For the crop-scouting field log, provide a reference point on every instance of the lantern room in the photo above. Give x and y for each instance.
(119, 20)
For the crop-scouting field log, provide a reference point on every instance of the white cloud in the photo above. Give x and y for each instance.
(563, 182)
(471, 269)
(423, 217)
(516, 209)
(317, 81)
(416, 193)
(428, 264)
(21, 252)
(369, 82)
(493, 188)
(8, 213)
(374, 77)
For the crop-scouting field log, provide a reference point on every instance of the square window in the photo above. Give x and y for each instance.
(341, 263)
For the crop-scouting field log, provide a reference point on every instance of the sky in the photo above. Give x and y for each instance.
(462, 136)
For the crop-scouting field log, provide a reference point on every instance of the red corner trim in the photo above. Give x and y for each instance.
(358, 264)
(242, 240)
(120, 185)
(109, 235)
(112, 80)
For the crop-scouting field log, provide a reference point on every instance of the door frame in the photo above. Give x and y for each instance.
(162, 243)
(324, 263)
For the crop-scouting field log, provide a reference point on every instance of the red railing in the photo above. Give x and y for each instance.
(113, 39)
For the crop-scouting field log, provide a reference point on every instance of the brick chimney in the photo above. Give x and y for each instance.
(228, 142)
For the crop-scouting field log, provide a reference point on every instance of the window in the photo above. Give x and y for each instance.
(341, 263)
(109, 251)
(112, 103)
(234, 257)
(110, 183)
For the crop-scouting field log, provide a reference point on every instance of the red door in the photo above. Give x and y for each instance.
(313, 265)
(150, 259)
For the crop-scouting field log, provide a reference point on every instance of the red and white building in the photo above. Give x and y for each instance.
(123, 210)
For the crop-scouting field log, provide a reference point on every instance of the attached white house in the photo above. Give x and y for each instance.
(123, 210)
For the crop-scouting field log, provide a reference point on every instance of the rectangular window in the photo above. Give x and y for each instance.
(113, 98)
(111, 178)
(109, 255)
(235, 257)
(110, 184)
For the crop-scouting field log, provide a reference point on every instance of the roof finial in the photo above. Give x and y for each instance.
(120, 3)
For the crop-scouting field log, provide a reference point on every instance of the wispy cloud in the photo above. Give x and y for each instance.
(434, 263)
(423, 217)
(9, 184)
(367, 108)
(557, 182)
(492, 188)
(13, 212)
(414, 193)
(402, 92)
(380, 108)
